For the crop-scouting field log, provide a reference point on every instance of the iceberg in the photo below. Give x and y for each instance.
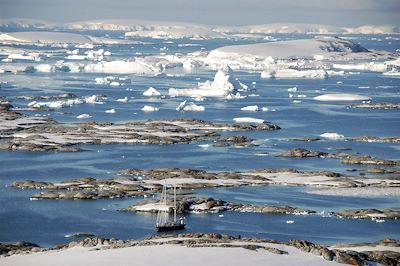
(190, 107)
(83, 116)
(151, 92)
(148, 108)
(341, 97)
(333, 136)
(224, 84)
(110, 111)
(251, 108)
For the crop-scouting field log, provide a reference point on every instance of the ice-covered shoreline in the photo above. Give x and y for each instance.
(198, 249)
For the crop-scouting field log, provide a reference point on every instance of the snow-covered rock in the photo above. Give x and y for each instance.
(248, 120)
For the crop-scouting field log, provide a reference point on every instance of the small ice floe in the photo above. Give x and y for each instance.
(253, 95)
(199, 99)
(264, 109)
(110, 111)
(248, 120)
(294, 89)
(151, 92)
(301, 96)
(290, 222)
(379, 220)
(115, 83)
(204, 146)
(250, 108)
(339, 82)
(221, 215)
(296, 101)
(148, 108)
(291, 95)
(84, 116)
(190, 107)
(330, 135)
(123, 100)
(94, 99)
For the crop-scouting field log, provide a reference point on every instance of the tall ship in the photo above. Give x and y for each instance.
(164, 221)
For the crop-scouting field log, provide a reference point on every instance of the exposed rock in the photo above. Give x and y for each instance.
(368, 160)
(48, 97)
(189, 205)
(377, 105)
(301, 153)
(26, 247)
(349, 257)
(43, 134)
(370, 213)
(134, 182)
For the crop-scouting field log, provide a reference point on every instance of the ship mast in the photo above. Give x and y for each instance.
(174, 201)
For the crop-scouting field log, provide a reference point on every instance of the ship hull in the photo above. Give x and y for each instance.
(174, 227)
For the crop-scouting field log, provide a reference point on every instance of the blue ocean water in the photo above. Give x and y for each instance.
(47, 222)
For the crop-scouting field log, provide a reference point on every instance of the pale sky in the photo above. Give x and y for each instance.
(222, 12)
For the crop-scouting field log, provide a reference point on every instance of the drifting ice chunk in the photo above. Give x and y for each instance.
(110, 111)
(94, 99)
(148, 108)
(190, 107)
(151, 92)
(251, 108)
(294, 89)
(123, 100)
(334, 136)
(83, 116)
(44, 68)
(248, 120)
(341, 97)
(115, 83)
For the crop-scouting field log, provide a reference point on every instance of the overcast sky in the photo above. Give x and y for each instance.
(224, 12)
